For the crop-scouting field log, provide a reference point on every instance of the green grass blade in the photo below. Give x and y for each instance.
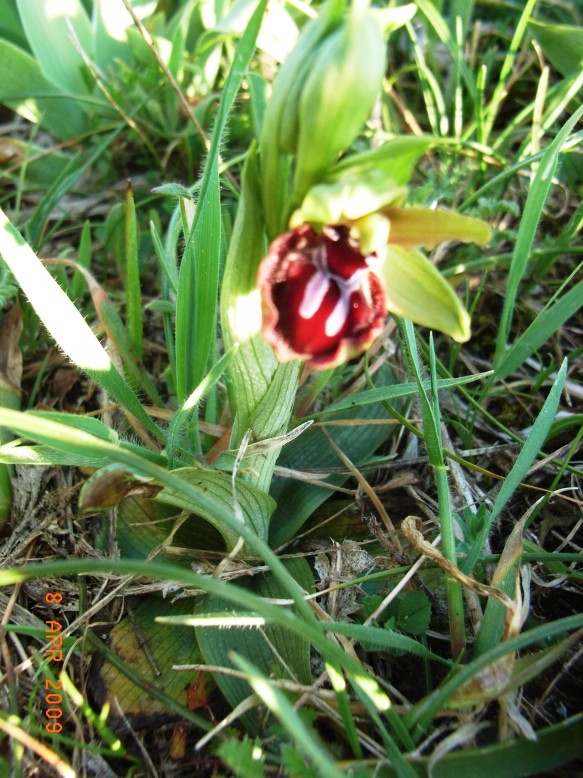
(278, 703)
(64, 322)
(132, 276)
(532, 212)
(549, 321)
(501, 89)
(555, 746)
(381, 394)
(436, 20)
(199, 273)
(182, 415)
(505, 578)
(63, 184)
(432, 435)
(83, 259)
(168, 268)
(530, 450)
(422, 713)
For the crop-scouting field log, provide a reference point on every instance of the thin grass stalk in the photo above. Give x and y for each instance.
(431, 426)
(448, 540)
(132, 275)
(501, 89)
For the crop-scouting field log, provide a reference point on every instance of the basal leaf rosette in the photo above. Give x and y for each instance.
(350, 257)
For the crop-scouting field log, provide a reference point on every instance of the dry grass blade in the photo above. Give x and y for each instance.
(369, 491)
(46, 754)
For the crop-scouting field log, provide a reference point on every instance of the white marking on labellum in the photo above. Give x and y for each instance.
(337, 318)
(314, 294)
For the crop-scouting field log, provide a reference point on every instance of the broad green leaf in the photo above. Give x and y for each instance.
(10, 24)
(414, 612)
(562, 44)
(110, 24)
(51, 28)
(256, 506)
(168, 646)
(393, 18)
(278, 32)
(416, 290)
(64, 322)
(144, 528)
(395, 159)
(217, 645)
(24, 88)
(296, 501)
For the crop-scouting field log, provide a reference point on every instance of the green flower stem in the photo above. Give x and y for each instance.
(262, 390)
(454, 591)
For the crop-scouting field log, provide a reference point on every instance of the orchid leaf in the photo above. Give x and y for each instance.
(416, 290)
(291, 652)
(256, 506)
(51, 30)
(25, 89)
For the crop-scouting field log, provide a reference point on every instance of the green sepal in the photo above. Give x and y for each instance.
(426, 227)
(416, 290)
(359, 187)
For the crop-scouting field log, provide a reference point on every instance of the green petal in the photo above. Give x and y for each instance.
(416, 290)
(347, 199)
(412, 227)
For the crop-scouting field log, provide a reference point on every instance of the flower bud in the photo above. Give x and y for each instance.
(342, 85)
(321, 97)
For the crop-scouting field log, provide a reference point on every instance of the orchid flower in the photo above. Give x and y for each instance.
(352, 254)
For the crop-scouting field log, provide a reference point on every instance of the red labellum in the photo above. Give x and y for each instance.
(322, 302)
